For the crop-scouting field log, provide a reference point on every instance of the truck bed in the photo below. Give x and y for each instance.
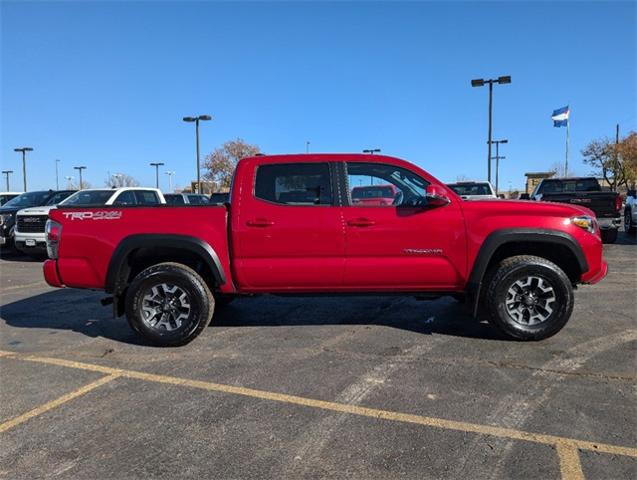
(91, 235)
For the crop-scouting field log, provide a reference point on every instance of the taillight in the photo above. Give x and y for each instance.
(53, 233)
(618, 202)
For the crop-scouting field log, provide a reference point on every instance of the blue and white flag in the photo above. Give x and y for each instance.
(560, 117)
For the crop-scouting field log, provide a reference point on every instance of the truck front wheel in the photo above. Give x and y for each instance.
(169, 304)
(528, 298)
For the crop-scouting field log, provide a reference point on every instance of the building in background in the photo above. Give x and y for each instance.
(534, 178)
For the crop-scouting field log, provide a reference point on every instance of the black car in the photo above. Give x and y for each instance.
(26, 200)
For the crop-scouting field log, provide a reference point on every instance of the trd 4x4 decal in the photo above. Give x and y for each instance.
(100, 215)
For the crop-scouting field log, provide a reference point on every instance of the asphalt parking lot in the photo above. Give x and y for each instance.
(373, 387)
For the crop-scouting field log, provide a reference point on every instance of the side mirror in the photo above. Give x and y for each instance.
(436, 197)
(525, 196)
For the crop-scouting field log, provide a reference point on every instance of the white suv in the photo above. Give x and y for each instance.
(29, 230)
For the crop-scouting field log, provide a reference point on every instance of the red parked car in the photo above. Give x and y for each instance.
(291, 227)
(375, 195)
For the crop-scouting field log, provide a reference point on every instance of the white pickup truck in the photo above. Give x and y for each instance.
(30, 222)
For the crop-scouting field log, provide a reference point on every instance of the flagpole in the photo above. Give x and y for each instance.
(568, 126)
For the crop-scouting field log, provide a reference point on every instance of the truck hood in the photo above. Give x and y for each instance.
(479, 197)
(36, 210)
(529, 207)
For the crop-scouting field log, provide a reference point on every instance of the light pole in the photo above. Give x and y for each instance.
(79, 169)
(197, 120)
(57, 181)
(479, 82)
(24, 151)
(371, 151)
(69, 182)
(156, 165)
(307, 146)
(6, 174)
(170, 180)
(497, 161)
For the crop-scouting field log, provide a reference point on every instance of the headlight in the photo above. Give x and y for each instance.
(585, 222)
(4, 218)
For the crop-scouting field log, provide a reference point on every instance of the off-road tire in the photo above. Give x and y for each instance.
(502, 280)
(609, 235)
(200, 304)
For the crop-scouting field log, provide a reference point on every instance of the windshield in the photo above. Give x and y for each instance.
(570, 185)
(379, 191)
(58, 197)
(89, 197)
(471, 188)
(29, 199)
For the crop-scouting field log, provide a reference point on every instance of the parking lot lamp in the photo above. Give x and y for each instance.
(6, 174)
(24, 151)
(371, 151)
(497, 162)
(196, 120)
(57, 178)
(156, 165)
(79, 169)
(479, 82)
(170, 180)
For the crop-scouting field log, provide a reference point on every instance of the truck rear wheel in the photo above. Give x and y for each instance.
(169, 304)
(528, 298)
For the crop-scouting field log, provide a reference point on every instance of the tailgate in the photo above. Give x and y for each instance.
(602, 203)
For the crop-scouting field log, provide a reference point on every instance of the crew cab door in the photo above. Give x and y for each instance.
(390, 245)
(287, 228)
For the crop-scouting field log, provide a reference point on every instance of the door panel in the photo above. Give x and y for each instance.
(404, 248)
(392, 246)
(291, 238)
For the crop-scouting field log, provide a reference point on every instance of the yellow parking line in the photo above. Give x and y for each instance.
(351, 409)
(570, 466)
(55, 403)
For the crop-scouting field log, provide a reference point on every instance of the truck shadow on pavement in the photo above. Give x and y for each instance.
(79, 311)
(444, 316)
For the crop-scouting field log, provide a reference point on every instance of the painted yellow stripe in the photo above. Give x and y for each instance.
(570, 466)
(55, 403)
(344, 408)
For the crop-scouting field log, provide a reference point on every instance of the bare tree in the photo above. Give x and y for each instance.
(462, 178)
(121, 180)
(221, 162)
(73, 184)
(615, 162)
(558, 169)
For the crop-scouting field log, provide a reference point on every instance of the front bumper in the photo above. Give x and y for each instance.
(30, 242)
(608, 223)
(599, 275)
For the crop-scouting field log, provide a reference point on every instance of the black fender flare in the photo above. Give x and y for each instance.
(118, 264)
(513, 235)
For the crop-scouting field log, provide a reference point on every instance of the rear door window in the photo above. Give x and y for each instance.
(127, 197)
(296, 184)
(146, 197)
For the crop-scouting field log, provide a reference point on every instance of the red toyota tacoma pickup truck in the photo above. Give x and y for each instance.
(291, 227)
